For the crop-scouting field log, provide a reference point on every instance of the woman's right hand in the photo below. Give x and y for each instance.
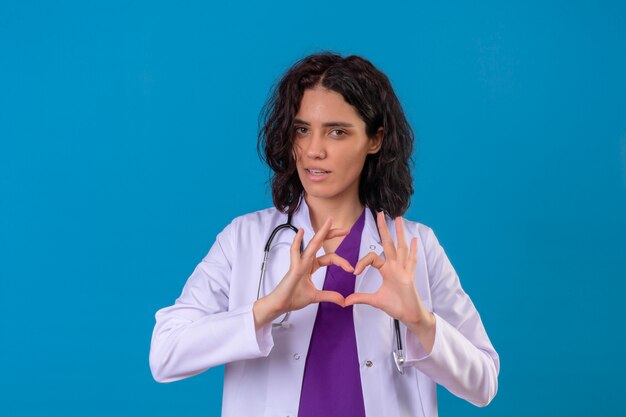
(296, 290)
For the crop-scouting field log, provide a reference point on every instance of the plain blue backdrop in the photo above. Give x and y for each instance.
(128, 140)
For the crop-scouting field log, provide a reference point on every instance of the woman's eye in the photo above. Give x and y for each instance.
(300, 130)
(338, 132)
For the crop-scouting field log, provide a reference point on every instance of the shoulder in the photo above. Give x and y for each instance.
(424, 233)
(246, 229)
(416, 229)
(266, 215)
(255, 221)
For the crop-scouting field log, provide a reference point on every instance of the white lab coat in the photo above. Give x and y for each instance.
(211, 324)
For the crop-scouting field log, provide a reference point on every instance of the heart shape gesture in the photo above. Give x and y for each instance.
(296, 290)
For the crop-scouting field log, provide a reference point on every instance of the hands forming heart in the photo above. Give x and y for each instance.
(397, 295)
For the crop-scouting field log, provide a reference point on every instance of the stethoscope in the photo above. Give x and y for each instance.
(398, 353)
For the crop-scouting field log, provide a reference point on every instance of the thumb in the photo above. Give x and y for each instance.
(361, 298)
(330, 296)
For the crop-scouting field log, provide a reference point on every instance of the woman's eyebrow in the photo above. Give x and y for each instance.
(326, 124)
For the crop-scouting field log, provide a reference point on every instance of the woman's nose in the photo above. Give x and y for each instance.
(316, 147)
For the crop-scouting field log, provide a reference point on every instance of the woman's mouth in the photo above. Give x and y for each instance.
(317, 171)
(316, 174)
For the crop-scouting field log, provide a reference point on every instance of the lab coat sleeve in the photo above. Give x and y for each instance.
(463, 359)
(199, 332)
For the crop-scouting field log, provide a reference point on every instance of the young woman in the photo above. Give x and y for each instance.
(360, 312)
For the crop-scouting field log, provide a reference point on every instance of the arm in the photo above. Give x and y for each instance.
(198, 332)
(450, 344)
(462, 357)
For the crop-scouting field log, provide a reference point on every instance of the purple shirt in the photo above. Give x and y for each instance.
(331, 385)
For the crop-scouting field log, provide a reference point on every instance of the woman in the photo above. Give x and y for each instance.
(315, 336)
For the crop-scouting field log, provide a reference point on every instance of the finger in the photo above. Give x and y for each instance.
(329, 296)
(332, 233)
(402, 246)
(360, 298)
(388, 246)
(371, 258)
(334, 259)
(316, 242)
(413, 256)
(294, 251)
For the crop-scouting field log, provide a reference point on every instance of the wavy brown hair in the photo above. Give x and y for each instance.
(386, 182)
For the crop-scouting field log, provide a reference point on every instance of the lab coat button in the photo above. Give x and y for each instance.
(369, 364)
(296, 356)
(372, 247)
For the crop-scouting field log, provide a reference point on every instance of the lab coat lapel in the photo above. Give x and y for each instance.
(369, 280)
(304, 319)
(302, 219)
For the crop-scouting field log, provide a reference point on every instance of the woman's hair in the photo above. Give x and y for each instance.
(386, 182)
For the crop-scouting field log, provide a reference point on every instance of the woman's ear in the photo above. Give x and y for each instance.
(376, 142)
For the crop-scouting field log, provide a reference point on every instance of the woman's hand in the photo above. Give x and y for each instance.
(397, 295)
(296, 290)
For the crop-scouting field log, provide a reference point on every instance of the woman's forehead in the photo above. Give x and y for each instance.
(323, 106)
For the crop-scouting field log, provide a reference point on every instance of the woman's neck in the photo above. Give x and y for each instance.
(344, 212)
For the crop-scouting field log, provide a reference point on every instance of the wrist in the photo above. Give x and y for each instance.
(264, 311)
(423, 325)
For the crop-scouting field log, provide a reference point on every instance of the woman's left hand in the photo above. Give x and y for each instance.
(397, 295)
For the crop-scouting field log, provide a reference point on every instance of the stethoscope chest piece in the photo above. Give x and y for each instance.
(398, 358)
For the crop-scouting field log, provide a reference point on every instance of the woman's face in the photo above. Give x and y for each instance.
(329, 136)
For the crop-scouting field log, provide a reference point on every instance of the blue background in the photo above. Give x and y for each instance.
(128, 140)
